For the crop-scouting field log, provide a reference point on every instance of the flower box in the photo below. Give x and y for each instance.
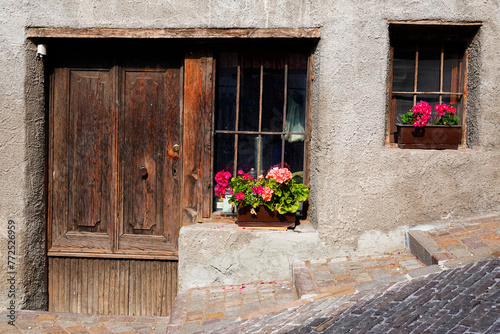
(429, 136)
(277, 197)
(264, 217)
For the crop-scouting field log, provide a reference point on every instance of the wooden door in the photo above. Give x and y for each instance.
(82, 144)
(115, 156)
(149, 163)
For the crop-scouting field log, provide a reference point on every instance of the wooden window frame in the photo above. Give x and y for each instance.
(417, 32)
(211, 215)
(415, 92)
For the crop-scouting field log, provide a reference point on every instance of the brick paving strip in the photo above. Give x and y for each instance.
(456, 244)
(35, 322)
(319, 284)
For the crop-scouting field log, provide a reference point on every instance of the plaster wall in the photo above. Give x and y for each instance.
(358, 184)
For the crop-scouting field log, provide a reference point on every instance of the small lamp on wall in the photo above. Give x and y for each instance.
(41, 50)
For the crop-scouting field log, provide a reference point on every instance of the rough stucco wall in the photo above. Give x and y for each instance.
(21, 163)
(359, 185)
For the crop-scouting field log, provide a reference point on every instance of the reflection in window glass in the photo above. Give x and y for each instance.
(403, 70)
(296, 101)
(249, 93)
(227, 71)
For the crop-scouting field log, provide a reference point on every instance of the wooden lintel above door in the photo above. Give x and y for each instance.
(174, 33)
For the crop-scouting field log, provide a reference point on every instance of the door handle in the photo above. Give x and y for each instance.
(175, 160)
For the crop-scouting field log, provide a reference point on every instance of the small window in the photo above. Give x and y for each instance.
(428, 63)
(260, 111)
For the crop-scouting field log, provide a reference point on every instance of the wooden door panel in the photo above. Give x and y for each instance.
(114, 180)
(150, 124)
(114, 177)
(81, 160)
(90, 150)
(142, 150)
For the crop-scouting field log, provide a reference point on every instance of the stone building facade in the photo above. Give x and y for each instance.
(365, 190)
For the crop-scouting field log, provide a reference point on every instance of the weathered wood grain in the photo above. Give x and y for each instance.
(198, 90)
(40, 32)
(126, 287)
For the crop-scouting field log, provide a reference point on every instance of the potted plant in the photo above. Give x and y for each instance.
(415, 132)
(265, 201)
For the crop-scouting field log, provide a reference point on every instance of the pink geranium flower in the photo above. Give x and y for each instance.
(278, 190)
(267, 193)
(222, 179)
(281, 175)
(422, 113)
(258, 190)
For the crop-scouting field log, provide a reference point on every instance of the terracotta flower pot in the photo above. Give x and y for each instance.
(264, 217)
(429, 136)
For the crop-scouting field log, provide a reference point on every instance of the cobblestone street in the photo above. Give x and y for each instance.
(461, 300)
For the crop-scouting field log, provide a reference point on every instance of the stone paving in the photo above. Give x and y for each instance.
(333, 295)
(326, 279)
(38, 322)
(203, 306)
(319, 276)
(461, 300)
(457, 244)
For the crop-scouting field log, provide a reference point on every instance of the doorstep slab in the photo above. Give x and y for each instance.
(213, 254)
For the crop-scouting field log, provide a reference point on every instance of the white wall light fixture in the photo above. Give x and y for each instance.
(41, 50)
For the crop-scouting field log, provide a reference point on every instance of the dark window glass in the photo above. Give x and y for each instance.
(249, 92)
(271, 152)
(224, 152)
(429, 64)
(247, 152)
(402, 104)
(273, 92)
(269, 107)
(227, 71)
(403, 70)
(294, 156)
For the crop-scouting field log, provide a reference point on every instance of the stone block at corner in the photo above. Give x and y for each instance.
(422, 246)
(304, 283)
